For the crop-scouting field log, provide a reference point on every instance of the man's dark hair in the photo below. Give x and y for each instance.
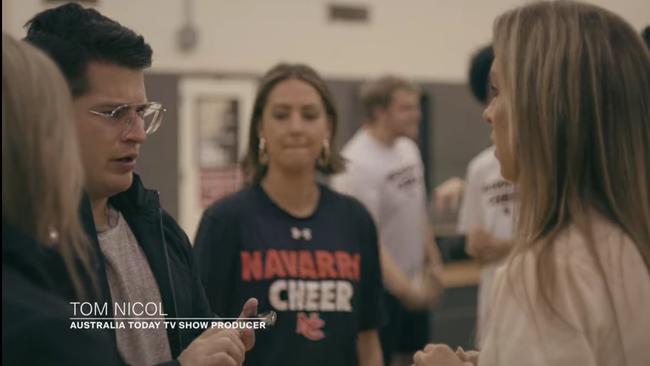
(646, 36)
(74, 37)
(479, 73)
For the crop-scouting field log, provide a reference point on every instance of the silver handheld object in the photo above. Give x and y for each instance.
(268, 318)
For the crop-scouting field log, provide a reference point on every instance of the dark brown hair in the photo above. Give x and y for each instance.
(74, 37)
(253, 168)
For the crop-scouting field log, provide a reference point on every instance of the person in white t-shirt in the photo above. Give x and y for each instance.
(385, 172)
(486, 213)
(486, 217)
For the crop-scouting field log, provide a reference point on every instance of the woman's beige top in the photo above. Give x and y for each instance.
(607, 320)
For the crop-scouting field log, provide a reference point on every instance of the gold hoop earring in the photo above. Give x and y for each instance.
(262, 154)
(53, 235)
(324, 157)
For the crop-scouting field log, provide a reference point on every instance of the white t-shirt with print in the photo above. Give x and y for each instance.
(389, 181)
(488, 201)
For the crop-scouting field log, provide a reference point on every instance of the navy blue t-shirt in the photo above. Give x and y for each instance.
(320, 274)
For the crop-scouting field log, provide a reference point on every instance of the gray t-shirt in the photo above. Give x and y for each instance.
(389, 181)
(130, 280)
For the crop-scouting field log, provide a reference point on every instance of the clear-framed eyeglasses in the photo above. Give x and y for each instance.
(150, 113)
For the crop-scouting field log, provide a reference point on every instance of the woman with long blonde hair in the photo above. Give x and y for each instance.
(571, 123)
(43, 243)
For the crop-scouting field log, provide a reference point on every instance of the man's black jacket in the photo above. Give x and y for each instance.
(168, 252)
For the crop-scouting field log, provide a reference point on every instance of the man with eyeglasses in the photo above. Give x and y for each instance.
(144, 256)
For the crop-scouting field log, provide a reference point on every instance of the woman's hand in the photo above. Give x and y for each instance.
(467, 356)
(438, 355)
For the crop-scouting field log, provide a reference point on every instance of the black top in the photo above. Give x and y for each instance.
(35, 315)
(168, 252)
(320, 274)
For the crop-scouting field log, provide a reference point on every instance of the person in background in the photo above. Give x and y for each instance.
(145, 256)
(306, 252)
(570, 116)
(487, 212)
(42, 237)
(447, 196)
(385, 172)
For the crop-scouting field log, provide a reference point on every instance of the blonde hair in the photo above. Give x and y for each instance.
(577, 81)
(378, 94)
(41, 166)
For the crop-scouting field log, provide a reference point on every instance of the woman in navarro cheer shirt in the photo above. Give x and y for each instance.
(303, 250)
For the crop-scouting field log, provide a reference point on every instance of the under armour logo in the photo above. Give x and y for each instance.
(298, 234)
(310, 327)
